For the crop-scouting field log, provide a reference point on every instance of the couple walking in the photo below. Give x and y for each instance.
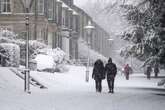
(100, 72)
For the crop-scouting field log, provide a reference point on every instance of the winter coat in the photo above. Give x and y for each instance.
(156, 69)
(98, 71)
(148, 70)
(128, 70)
(111, 70)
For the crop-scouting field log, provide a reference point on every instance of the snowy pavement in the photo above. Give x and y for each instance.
(69, 91)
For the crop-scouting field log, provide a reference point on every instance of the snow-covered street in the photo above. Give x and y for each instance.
(49, 49)
(69, 91)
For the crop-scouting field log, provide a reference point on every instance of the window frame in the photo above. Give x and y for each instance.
(41, 7)
(63, 17)
(4, 5)
(50, 10)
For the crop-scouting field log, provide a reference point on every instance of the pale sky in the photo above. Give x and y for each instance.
(80, 2)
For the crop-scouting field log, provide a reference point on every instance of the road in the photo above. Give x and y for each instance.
(71, 92)
(122, 99)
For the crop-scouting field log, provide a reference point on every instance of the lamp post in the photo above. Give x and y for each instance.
(27, 71)
(88, 29)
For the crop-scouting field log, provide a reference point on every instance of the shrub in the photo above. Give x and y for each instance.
(34, 47)
(8, 34)
(51, 60)
(12, 53)
(57, 54)
(9, 38)
(61, 68)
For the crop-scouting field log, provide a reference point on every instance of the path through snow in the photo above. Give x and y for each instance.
(69, 91)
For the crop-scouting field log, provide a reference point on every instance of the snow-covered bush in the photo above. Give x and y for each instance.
(61, 68)
(12, 53)
(44, 61)
(5, 40)
(52, 57)
(8, 34)
(51, 60)
(57, 54)
(7, 37)
(34, 47)
(33, 65)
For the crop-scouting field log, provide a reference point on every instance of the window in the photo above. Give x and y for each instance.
(63, 21)
(50, 9)
(63, 17)
(57, 14)
(74, 23)
(6, 6)
(41, 6)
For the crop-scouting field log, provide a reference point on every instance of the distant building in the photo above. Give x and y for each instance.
(57, 23)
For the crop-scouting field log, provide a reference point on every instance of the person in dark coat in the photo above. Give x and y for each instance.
(111, 71)
(156, 69)
(127, 71)
(98, 74)
(148, 71)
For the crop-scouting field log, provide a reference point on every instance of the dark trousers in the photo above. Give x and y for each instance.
(98, 85)
(148, 75)
(110, 82)
(156, 74)
(127, 76)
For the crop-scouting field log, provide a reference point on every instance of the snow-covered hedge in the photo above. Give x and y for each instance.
(7, 37)
(12, 53)
(5, 40)
(51, 60)
(7, 34)
(11, 38)
(16, 50)
(34, 47)
(61, 68)
(57, 54)
(44, 61)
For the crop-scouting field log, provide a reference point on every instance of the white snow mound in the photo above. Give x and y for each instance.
(44, 61)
